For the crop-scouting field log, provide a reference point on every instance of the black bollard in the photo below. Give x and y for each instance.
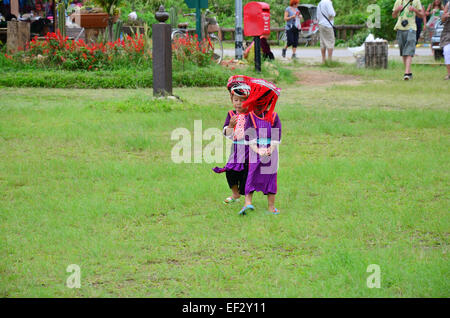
(162, 55)
(257, 53)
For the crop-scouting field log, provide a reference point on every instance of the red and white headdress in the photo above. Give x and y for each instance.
(239, 85)
(263, 97)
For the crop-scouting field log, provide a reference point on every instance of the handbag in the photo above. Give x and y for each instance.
(298, 23)
(334, 29)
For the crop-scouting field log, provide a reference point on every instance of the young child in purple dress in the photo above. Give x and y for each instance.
(234, 127)
(264, 137)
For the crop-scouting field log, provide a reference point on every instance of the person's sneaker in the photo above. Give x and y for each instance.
(407, 77)
(283, 52)
(294, 56)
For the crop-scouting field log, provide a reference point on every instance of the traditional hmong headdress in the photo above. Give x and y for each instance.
(239, 85)
(263, 97)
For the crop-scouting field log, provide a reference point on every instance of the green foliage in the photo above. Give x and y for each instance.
(386, 31)
(359, 38)
(62, 18)
(146, 9)
(352, 18)
(108, 5)
(17, 74)
(173, 17)
(347, 12)
(124, 78)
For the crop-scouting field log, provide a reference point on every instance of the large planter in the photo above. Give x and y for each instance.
(92, 20)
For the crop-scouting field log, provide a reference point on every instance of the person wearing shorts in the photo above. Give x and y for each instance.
(326, 14)
(405, 11)
(445, 38)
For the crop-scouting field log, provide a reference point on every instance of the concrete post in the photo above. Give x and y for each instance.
(162, 55)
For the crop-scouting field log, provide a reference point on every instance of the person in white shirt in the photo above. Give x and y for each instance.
(325, 15)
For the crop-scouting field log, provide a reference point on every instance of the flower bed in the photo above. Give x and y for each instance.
(60, 52)
(189, 49)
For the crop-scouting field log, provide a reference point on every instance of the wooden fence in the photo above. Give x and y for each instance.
(344, 32)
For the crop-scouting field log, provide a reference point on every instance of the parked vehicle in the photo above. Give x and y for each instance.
(210, 27)
(436, 38)
(310, 24)
(309, 27)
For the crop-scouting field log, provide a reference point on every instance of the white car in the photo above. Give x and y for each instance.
(436, 40)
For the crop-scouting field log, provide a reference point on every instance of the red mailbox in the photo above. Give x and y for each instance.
(256, 19)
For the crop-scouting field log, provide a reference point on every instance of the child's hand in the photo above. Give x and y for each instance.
(233, 121)
(264, 152)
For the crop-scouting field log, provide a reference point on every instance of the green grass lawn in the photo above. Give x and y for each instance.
(86, 178)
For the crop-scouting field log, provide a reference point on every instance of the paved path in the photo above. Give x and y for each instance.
(342, 54)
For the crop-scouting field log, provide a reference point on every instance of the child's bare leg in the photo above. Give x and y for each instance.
(248, 198)
(271, 202)
(235, 190)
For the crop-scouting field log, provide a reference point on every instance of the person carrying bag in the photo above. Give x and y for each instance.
(327, 30)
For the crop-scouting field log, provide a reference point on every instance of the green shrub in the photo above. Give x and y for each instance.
(386, 31)
(359, 38)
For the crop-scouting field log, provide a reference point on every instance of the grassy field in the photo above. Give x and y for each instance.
(86, 178)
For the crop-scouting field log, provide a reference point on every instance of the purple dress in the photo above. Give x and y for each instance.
(239, 152)
(262, 170)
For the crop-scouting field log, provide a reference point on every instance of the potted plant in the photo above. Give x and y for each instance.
(110, 7)
(90, 17)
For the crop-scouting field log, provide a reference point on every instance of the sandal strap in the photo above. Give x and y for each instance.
(276, 211)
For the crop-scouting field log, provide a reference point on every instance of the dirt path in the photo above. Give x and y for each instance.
(314, 77)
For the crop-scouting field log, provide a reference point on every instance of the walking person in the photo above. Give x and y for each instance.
(432, 16)
(420, 27)
(406, 11)
(292, 17)
(326, 14)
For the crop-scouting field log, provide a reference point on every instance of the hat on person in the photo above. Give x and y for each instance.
(239, 85)
(263, 97)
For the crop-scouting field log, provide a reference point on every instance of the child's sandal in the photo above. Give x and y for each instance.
(245, 208)
(230, 200)
(274, 212)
